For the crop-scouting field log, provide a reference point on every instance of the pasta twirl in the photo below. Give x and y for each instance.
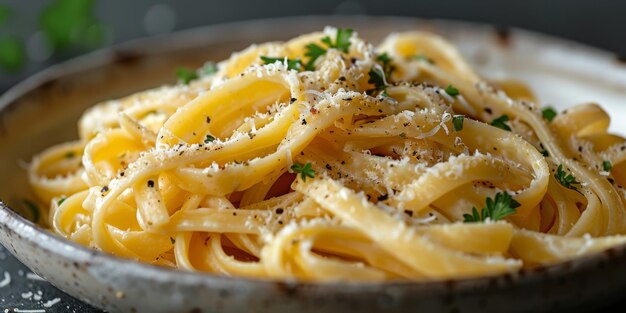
(325, 158)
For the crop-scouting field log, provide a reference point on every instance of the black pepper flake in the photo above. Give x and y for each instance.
(611, 180)
(303, 122)
(122, 174)
(408, 212)
(104, 189)
(488, 110)
(292, 100)
(279, 211)
(150, 183)
(328, 167)
(280, 222)
(208, 120)
(342, 78)
(580, 149)
(383, 197)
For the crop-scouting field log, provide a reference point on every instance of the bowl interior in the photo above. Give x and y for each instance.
(44, 109)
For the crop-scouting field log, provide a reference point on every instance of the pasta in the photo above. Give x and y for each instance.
(325, 158)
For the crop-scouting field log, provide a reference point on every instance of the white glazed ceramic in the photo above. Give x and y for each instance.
(43, 110)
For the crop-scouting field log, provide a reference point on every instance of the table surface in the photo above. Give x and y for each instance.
(28, 292)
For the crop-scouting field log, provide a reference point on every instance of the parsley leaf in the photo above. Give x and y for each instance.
(313, 51)
(500, 122)
(548, 113)
(377, 78)
(186, 75)
(498, 208)
(305, 170)
(208, 68)
(291, 64)
(422, 57)
(567, 180)
(209, 138)
(457, 122)
(60, 201)
(385, 61)
(607, 166)
(342, 41)
(452, 91)
(33, 208)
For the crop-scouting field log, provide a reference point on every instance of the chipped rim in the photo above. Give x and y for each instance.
(15, 224)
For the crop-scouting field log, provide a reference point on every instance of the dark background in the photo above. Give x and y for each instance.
(601, 23)
(35, 34)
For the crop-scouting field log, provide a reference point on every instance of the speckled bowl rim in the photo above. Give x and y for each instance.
(43, 239)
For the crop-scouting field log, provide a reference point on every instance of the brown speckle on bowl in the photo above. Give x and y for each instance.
(503, 36)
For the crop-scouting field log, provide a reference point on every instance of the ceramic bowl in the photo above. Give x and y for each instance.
(43, 110)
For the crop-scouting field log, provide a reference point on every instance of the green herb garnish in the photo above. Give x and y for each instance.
(33, 208)
(314, 51)
(457, 122)
(452, 91)
(208, 68)
(422, 57)
(291, 64)
(208, 139)
(548, 113)
(186, 75)
(61, 201)
(377, 78)
(567, 180)
(607, 166)
(500, 122)
(385, 61)
(172, 240)
(342, 41)
(305, 170)
(497, 209)
(545, 153)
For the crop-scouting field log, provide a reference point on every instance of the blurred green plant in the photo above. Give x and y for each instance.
(66, 24)
(11, 49)
(11, 54)
(5, 11)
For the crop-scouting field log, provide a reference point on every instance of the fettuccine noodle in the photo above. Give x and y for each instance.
(363, 165)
